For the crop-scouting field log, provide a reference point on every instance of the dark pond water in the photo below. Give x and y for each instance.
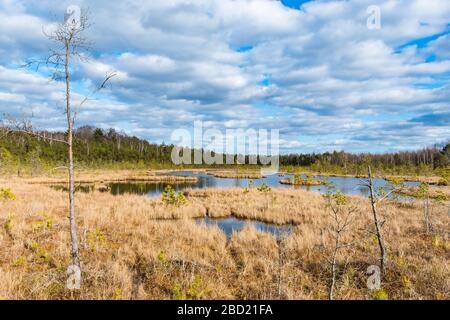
(228, 225)
(346, 185)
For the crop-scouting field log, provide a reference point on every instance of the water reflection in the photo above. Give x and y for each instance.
(228, 225)
(145, 188)
(78, 188)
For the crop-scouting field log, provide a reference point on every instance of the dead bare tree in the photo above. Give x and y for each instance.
(70, 44)
(342, 216)
(374, 201)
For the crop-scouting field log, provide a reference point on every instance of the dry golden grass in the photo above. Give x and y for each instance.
(430, 180)
(327, 174)
(236, 174)
(302, 182)
(131, 249)
(442, 193)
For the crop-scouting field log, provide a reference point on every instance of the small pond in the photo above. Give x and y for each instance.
(228, 225)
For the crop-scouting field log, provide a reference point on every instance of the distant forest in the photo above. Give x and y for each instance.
(95, 147)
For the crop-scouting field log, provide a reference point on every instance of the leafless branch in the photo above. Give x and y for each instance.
(25, 126)
(106, 80)
(387, 195)
(108, 77)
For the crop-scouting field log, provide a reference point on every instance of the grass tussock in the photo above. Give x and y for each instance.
(432, 180)
(135, 247)
(438, 193)
(235, 174)
(302, 182)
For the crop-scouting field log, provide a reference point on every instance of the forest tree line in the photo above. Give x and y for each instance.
(436, 157)
(95, 147)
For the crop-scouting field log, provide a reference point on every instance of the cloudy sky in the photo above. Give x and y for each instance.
(312, 69)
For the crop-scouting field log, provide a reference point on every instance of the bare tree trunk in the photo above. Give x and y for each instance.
(70, 123)
(333, 268)
(426, 212)
(280, 268)
(383, 257)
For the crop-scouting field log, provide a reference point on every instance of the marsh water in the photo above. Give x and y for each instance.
(347, 185)
(232, 224)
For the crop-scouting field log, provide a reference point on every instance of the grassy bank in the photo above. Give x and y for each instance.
(236, 174)
(108, 176)
(299, 181)
(437, 193)
(430, 177)
(134, 247)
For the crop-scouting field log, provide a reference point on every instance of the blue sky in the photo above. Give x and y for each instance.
(295, 4)
(311, 69)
